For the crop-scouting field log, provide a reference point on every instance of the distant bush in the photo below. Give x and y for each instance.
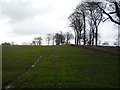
(106, 43)
(6, 43)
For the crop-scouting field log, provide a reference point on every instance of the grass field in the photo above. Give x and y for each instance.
(60, 67)
(16, 60)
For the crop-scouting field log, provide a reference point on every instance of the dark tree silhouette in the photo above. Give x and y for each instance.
(68, 37)
(53, 39)
(59, 38)
(49, 37)
(33, 42)
(105, 43)
(86, 14)
(81, 13)
(6, 43)
(76, 22)
(95, 15)
(112, 10)
(38, 40)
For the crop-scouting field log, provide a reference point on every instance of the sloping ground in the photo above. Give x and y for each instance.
(16, 60)
(108, 49)
(73, 67)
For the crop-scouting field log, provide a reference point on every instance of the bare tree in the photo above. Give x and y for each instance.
(33, 42)
(79, 20)
(81, 10)
(59, 38)
(73, 25)
(38, 40)
(91, 32)
(76, 22)
(95, 16)
(68, 37)
(48, 37)
(53, 38)
(112, 10)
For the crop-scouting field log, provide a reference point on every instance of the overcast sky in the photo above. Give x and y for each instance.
(22, 20)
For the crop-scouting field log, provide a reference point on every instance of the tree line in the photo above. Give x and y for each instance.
(85, 21)
(55, 39)
(87, 17)
(59, 38)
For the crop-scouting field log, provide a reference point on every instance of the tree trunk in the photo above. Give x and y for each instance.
(93, 36)
(90, 34)
(90, 37)
(75, 37)
(96, 36)
(119, 34)
(84, 28)
(39, 42)
(80, 38)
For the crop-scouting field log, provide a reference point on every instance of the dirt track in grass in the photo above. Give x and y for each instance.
(69, 67)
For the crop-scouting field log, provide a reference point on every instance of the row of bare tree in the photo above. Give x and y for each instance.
(37, 41)
(57, 38)
(87, 17)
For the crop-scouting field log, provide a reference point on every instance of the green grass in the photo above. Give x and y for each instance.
(62, 67)
(16, 60)
(109, 49)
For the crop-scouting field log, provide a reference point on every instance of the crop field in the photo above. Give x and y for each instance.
(60, 67)
(16, 59)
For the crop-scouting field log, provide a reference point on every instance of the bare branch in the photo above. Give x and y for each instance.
(105, 19)
(110, 17)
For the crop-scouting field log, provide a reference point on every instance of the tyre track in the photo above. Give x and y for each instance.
(15, 81)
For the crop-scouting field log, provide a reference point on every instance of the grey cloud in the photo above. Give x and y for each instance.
(31, 28)
(22, 15)
(18, 11)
